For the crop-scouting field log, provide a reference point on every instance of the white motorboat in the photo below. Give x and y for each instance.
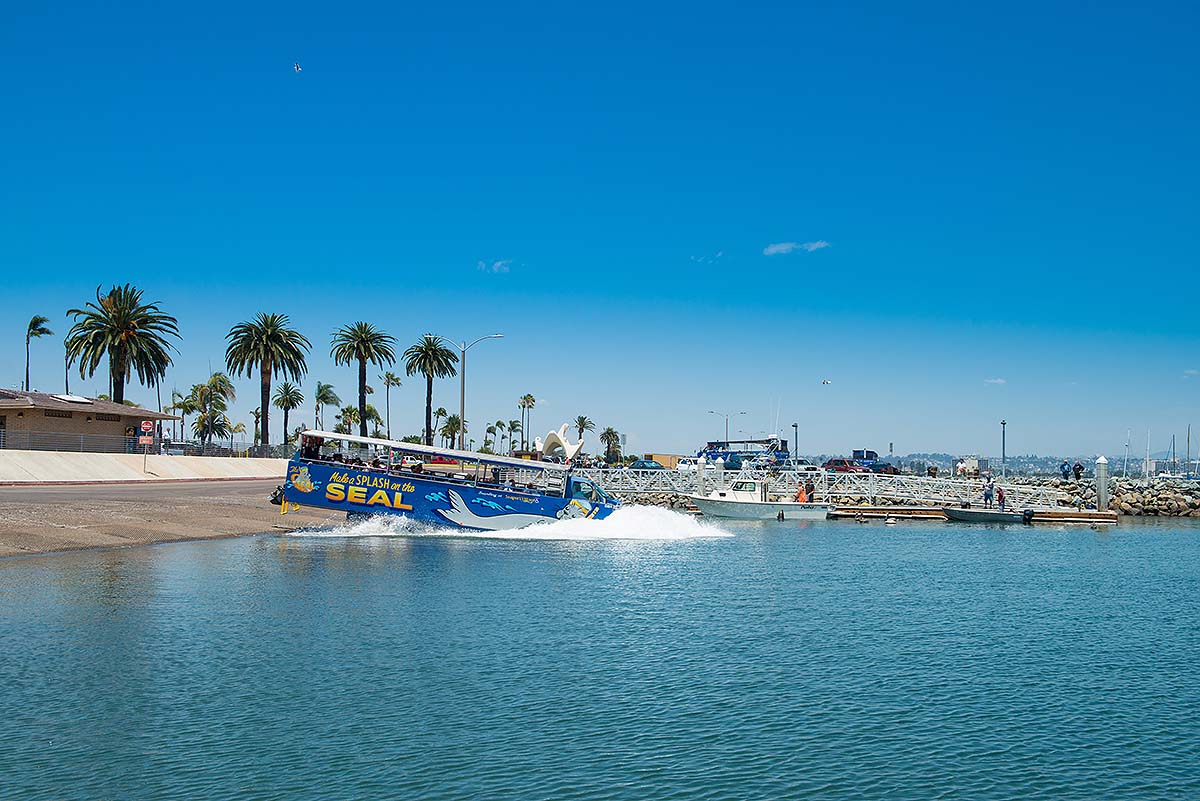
(751, 500)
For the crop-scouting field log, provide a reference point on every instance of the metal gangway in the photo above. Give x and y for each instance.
(838, 488)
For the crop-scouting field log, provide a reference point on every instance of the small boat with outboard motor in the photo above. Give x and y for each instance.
(751, 499)
(457, 489)
(971, 514)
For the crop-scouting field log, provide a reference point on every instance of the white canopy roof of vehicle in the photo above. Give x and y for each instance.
(429, 450)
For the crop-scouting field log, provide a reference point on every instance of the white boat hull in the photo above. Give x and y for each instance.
(760, 510)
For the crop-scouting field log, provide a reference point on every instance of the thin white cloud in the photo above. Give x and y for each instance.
(779, 248)
(995, 381)
(1191, 373)
(499, 266)
(707, 259)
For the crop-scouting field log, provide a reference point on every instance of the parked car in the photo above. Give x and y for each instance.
(885, 468)
(800, 465)
(689, 464)
(646, 464)
(844, 466)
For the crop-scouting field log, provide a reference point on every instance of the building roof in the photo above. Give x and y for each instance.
(18, 399)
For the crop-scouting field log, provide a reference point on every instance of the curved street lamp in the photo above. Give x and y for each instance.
(726, 415)
(463, 347)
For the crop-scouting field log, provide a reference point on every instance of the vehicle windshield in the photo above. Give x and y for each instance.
(586, 490)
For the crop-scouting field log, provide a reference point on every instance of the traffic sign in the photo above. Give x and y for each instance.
(147, 426)
(145, 440)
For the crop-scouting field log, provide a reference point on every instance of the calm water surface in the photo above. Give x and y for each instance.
(827, 660)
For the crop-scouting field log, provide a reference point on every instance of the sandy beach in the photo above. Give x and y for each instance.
(40, 519)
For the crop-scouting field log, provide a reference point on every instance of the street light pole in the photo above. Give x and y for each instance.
(463, 347)
(1003, 449)
(795, 439)
(726, 415)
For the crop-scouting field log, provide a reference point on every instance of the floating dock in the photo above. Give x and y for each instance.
(1060, 515)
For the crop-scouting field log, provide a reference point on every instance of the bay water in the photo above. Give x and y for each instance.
(649, 656)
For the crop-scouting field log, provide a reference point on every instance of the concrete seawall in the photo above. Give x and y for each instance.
(49, 467)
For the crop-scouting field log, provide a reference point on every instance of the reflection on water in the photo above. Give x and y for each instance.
(829, 660)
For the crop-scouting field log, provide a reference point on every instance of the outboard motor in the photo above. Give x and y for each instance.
(277, 496)
(1027, 516)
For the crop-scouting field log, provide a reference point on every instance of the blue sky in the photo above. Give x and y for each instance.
(998, 204)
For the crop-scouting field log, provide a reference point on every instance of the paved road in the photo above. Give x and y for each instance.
(144, 491)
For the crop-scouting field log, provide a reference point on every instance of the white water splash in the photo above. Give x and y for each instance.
(626, 523)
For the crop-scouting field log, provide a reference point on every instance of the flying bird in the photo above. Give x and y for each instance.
(296, 66)
(826, 381)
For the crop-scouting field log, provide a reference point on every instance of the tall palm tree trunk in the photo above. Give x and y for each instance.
(265, 447)
(27, 364)
(362, 397)
(429, 410)
(116, 365)
(285, 425)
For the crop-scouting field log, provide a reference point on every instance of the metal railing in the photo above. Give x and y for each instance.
(829, 487)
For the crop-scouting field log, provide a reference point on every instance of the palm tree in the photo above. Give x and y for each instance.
(584, 423)
(373, 415)
(514, 428)
(266, 342)
(438, 415)
(526, 404)
(36, 329)
(389, 380)
(184, 405)
(432, 359)
(450, 430)
(322, 397)
(490, 431)
(500, 429)
(209, 426)
(610, 439)
(236, 428)
(347, 416)
(210, 402)
(130, 333)
(362, 343)
(287, 397)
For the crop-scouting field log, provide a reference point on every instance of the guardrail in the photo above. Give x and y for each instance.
(831, 487)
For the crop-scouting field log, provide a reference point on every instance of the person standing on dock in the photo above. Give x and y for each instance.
(1000, 498)
(988, 490)
(1065, 467)
(1078, 469)
(810, 489)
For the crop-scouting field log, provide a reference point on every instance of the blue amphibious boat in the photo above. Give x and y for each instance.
(457, 489)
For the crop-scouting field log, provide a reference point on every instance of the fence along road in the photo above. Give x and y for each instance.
(831, 487)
